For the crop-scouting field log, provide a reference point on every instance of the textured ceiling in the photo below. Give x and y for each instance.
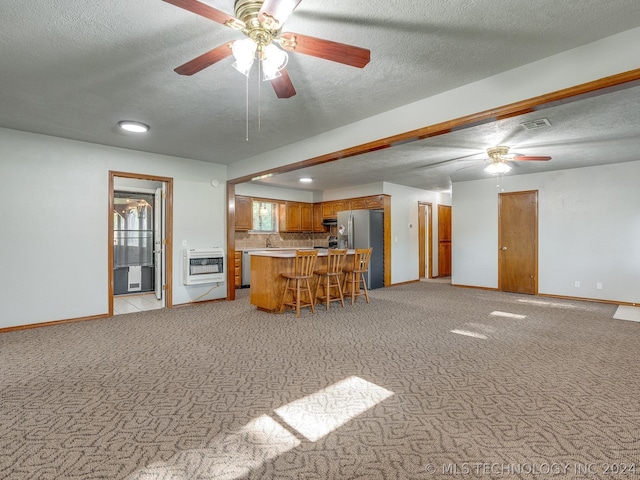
(587, 132)
(74, 69)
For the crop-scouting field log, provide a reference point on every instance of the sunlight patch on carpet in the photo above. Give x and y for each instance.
(624, 312)
(234, 455)
(320, 413)
(229, 456)
(508, 315)
(468, 333)
(544, 303)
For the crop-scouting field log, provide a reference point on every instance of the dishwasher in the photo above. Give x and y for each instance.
(246, 269)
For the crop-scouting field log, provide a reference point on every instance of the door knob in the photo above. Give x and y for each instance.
(503, 248)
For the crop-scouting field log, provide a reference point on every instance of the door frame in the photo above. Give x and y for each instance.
(501, 237)
(168, 246)
(425, 237)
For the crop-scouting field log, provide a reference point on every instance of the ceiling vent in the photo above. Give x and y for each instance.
(535, 124)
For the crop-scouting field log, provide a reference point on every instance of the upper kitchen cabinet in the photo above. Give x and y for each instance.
(296, 217)
(367, 203)
(244, 213)
(317, 219)
(331, 209)
(306, 217)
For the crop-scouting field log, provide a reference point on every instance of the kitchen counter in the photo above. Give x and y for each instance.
(267, 283)
(276, 249)
(286, 252)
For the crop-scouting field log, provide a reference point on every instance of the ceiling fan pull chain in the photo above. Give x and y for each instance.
(247, 110)
(259, 91)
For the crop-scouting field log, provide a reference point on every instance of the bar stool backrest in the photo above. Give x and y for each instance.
(336, 259)
(305, 262)
(361, 259)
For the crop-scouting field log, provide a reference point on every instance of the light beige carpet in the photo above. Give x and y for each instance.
(428, 381)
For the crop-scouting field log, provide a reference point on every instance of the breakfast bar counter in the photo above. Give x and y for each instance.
(267, 283)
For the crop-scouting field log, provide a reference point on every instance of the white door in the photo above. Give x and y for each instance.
(158, 239)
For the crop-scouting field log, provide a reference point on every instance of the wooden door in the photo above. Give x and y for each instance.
(444, 240)
(425, 248)
(518, 242)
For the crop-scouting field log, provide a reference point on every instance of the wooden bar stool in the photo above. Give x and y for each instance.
(354, 275)
(330, 277)
(298, 282)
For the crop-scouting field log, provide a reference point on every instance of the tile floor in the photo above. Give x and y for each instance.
(136, 303)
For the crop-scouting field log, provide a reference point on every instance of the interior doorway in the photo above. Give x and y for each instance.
(518, 242)
(140, 216)
(425, 240)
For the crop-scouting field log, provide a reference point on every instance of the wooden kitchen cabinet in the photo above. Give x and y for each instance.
(238, 269)
(357, 203)
(317, 226)
(296, 217)
(374, 202)
(244, 213)
(331, 209)
(371, 202)
(306, 217)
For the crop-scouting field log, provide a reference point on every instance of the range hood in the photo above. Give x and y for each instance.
(330, 221)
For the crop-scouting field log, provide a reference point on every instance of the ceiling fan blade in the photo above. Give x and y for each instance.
(283, 86)
(205, 60)
(518, 158)
(278, 10)
(206, 11)
(317, 47)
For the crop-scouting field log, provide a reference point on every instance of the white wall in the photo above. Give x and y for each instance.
(353, 192)
(589, 231)
(53, 239)
(277, 193)
(404, 229)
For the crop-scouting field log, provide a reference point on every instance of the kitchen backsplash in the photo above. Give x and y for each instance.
(259, 240)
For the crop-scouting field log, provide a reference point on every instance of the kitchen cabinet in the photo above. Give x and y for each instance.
(331, 209)
(317, 225)
(371, 202)
(244, 213)
(306, 217)
(374, 202)
(238, 269)
(357, 203)
(295, 217)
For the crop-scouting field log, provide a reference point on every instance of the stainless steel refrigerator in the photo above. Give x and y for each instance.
(364, 229)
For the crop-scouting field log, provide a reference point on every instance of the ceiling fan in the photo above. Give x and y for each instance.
(499, 156)
(262, 21)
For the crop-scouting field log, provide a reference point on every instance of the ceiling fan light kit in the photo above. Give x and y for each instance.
(497, 168)
(262, 21)
(498, 157)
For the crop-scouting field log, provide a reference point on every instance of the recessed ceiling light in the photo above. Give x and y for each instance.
(134, 127)
(306, 180)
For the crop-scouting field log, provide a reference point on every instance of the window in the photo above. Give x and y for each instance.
(265, 218)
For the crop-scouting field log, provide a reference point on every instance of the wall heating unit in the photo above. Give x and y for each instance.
(203, 265)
